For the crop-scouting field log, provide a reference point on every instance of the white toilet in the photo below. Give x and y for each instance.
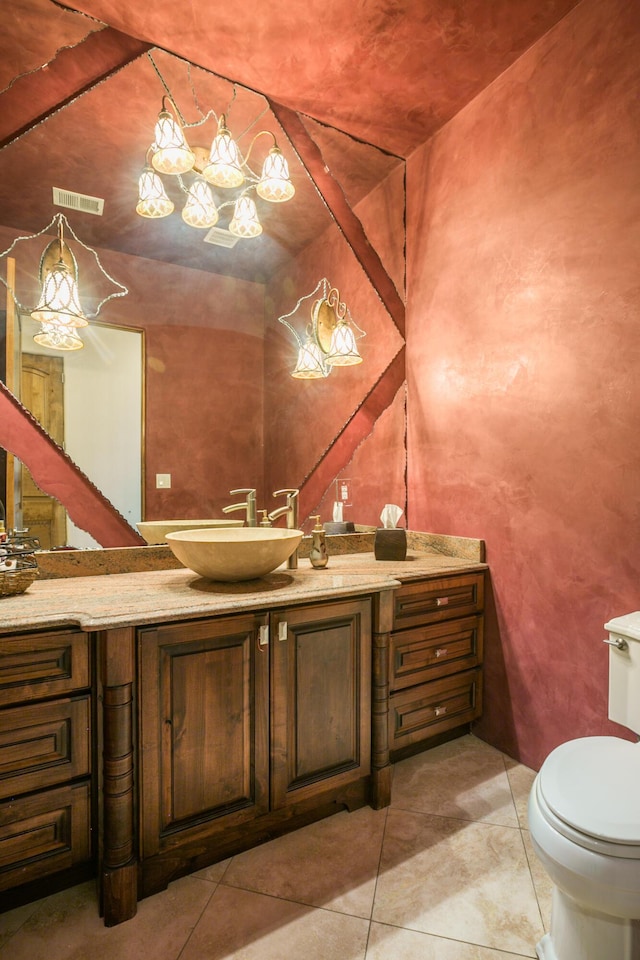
(584, 818)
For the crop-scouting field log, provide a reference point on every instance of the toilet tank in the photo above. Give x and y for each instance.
(624, 670)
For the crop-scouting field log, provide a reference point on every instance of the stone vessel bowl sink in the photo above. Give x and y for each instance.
(238, 553)
(155, 531)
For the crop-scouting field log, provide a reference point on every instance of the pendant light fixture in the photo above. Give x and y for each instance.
(58, 310)
(172, 154)
(331, 337)
(223, 167)
(217, 172)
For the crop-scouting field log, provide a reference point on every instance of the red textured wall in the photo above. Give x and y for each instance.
(524, 364)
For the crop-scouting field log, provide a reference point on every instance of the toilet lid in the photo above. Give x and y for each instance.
(593, 784)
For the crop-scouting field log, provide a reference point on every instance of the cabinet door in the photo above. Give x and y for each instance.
(320, 699)
(204, 727)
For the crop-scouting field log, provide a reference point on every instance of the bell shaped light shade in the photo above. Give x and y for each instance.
(59, 302)
(153, 201)
(172, 154)
(223, 168)
(310, 364)
(199, 209)
(245, 221)
(59, 336)
(343, 351)
(275, 184)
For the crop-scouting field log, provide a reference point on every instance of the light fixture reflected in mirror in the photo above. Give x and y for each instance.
(331, 336)
(58, 309)
(223, 166)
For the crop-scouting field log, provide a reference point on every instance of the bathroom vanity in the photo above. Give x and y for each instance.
(152, 722)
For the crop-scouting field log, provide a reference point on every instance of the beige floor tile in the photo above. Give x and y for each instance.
(241, 925)
(332, 863)
(520, 780)
(66, 926)
(464, 778)
(541, 881)
(394, 943)
(214, 873)
(12, 920)
(463, 880)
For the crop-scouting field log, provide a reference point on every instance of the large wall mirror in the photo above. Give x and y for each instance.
(206, 392)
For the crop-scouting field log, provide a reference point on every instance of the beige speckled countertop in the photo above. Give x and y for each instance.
(153, 596)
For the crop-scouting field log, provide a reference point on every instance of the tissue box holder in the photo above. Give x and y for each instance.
(390, 544)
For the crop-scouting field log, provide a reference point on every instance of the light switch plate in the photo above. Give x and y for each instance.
(163, 481)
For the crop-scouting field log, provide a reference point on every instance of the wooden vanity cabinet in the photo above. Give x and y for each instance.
(246, 722)
(435, 657)
(45, 760)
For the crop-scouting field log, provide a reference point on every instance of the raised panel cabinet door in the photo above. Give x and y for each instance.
(320, 699)
(204, 727)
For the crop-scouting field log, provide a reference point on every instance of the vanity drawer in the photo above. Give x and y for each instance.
(432, 708)
(42, 665)
(426, 653)
(429, 601)
(43, 834)
(43, 745)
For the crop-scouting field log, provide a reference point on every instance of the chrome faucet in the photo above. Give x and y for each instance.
(249, 505)
(290, 509)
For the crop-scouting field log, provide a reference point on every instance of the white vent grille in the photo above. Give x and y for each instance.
(78, 201)
(221, 238)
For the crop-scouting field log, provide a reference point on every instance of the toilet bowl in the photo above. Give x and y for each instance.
(584, 820)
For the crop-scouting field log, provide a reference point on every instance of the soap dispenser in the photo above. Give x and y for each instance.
(318, 555)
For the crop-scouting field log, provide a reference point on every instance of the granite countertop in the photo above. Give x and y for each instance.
(153, 596)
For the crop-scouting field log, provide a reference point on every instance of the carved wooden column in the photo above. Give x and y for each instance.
(381, 767)
(117, 847)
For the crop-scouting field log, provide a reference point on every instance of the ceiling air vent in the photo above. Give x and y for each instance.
(78, 201)
(221, 238)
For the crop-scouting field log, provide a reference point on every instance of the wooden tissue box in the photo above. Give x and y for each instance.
(390, 543)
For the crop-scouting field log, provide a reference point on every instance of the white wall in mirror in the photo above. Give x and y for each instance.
(103, 414)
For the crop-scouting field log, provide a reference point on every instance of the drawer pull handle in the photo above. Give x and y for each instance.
(263, 637)
(283, 630)
(441, 652)
(440, 711)
(442, 601)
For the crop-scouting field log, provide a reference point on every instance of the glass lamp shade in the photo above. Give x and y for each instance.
(199, 209)
(275, 184)
(173, 154)
(310, 364)
(343, 351)
(245, 221)
(153, 201)
(223, 168)
(59, 302)
(59, 336)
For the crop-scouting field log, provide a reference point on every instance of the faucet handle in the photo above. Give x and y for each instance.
(250, 491)
(289, 492)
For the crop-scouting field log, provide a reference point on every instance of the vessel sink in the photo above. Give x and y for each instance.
(155, 531)
(238, 553)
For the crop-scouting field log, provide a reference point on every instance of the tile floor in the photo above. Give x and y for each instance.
(447, 872)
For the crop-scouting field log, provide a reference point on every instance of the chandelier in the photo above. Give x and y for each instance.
(58, 310)
(330, 338)
(222, 167)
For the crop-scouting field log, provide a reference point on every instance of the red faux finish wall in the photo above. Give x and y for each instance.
(303, 417)
(523, 362)
(204, 339)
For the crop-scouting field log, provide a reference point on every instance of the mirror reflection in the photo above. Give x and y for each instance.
(220, 408)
